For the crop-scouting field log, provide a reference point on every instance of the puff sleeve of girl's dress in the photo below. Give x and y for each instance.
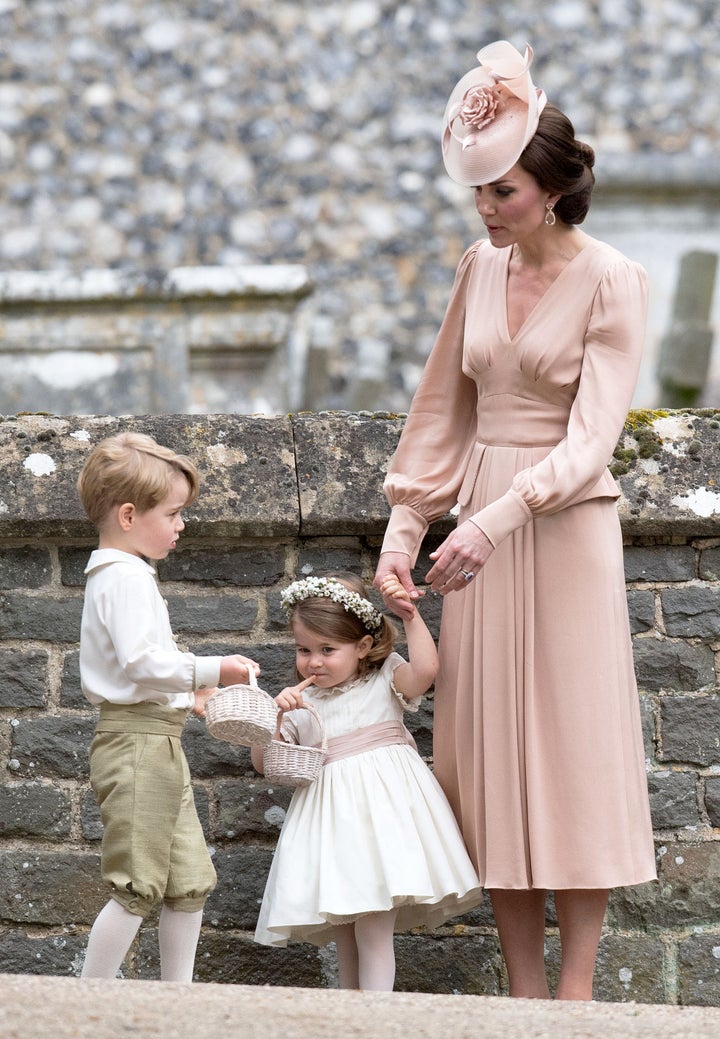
(425, 473)
(570, 472)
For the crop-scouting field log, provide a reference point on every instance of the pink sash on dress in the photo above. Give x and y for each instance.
(382, 734)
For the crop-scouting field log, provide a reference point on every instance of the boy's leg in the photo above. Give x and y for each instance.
(191, 878)
(178, 935)
(137, 779)
(111, 936)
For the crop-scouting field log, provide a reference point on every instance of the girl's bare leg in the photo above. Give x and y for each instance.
(580, 918)
(376, 951)
(520, 919)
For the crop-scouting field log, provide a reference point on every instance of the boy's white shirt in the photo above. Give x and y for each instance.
(127, 651)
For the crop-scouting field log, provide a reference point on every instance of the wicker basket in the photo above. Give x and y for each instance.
(291, 764)
(241, 714)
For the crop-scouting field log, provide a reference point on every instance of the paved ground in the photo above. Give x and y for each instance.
(67, 1008)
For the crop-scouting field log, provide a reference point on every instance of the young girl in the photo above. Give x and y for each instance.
(372, 846)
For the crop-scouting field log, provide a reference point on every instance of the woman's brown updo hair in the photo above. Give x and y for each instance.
(561, 164)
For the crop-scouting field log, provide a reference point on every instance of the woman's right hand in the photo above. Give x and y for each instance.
(397, 564)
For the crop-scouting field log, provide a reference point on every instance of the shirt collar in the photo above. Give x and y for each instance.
(103, 556)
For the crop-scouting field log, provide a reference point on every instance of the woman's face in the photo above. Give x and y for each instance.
(513, 208)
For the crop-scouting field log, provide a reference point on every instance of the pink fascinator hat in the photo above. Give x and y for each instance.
(491, 115)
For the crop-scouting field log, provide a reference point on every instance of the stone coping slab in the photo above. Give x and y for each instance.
(179, 283)
(314, 474)
(342, 458)
(247, 472)
(668, 466)
(69, 1008)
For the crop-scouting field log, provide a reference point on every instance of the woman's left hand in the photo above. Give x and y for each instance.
(462, 553)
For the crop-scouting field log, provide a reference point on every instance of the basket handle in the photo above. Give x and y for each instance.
(305, 707)
(316, 716)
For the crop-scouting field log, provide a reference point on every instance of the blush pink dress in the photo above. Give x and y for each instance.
(537, 741)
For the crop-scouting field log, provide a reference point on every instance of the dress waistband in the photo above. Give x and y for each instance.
(370, 737)
(511, 420)
(141, 718)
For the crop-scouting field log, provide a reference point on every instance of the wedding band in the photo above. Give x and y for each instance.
(467, 575)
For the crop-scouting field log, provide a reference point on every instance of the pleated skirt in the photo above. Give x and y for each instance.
(537, 733)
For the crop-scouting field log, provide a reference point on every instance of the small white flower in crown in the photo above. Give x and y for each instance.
(329, 588)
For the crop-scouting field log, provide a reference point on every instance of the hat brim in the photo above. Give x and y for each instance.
(500, 143)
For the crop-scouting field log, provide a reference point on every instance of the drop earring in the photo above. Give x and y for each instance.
(550, 217)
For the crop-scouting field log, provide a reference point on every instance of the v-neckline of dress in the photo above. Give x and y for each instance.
(512, 338)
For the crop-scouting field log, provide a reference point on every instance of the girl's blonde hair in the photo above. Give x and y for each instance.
(131, 467)
(325, 617)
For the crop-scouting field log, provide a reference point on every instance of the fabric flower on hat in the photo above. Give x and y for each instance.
(491, 115)
(477, 108)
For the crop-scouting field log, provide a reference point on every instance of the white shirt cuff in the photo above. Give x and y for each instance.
(207, 672)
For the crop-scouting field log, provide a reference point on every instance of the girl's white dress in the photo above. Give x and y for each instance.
(374, 831)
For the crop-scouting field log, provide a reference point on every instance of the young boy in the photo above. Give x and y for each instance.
(153, 848)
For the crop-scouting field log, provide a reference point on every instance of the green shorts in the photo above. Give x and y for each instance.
(153, 847)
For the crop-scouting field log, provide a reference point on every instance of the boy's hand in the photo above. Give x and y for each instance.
(201, 698)
(235, 670)
(291, 697)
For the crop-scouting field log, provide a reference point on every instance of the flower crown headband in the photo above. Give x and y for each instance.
(331, 588)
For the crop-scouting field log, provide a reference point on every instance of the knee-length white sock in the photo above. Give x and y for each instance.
(347, 955)
(376, 952)
(111, 936)
(178, 935)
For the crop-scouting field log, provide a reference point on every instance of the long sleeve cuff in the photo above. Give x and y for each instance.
(405, 532)
(501, 517)
(207, 672)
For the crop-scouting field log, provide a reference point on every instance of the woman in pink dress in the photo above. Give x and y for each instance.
(537, 741)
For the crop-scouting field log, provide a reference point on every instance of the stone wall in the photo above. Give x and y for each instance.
(157, 134)
(193, 340)
(301, 494)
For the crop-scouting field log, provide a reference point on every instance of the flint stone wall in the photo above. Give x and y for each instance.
(157, 134)
(297, 495)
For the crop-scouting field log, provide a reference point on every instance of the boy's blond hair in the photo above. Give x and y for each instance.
(131, 467)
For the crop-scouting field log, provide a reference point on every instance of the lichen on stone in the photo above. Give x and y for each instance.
(640, 424)
(623, 457)
(643, 417)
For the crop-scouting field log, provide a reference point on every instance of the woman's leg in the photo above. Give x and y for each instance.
(376, 951)
(347, 955)
(111, 936)
(580, 917)
(520, 919)
(178, 935)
